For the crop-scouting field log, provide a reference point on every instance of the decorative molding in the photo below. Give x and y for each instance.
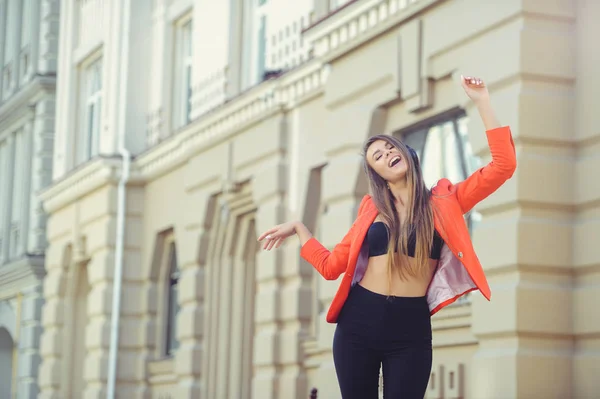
(209, 94)
(252, 106)
(286, 48)
(91, 175)
(360, 22)
(20, 103)
(154, 126)
(162, 367)
(21, 273)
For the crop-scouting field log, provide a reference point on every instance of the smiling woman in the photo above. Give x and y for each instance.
(407, 255)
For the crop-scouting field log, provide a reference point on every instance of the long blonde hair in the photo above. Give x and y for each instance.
(419, 219)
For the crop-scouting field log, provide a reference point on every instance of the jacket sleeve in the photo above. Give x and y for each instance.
(330, 264)
(489, 178)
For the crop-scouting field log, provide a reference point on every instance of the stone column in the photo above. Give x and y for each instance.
(58, 259)
(41, 171)
(192, 243)
(63, 158)
(47, 59)
(29, 342)
(525, 240)
(133, 325)
(283, 306)
(6, 203)
(268, 189)
(586, 256)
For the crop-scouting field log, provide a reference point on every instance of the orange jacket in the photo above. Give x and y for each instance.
(458, 270)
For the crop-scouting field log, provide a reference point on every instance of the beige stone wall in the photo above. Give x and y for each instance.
(251, 324)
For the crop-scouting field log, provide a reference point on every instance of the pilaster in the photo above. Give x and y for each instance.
(283, 303)
(267, 337)
(58, 257)
(192, 241)
(47, 61)
(29, 343)
(64, 156)
(525, 333)
(41, 171)
(586, 256)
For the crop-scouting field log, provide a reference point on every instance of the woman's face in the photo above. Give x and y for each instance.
(387, 161)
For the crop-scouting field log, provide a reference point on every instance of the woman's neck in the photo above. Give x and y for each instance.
(400, 193)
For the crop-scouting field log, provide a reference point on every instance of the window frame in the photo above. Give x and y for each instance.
(183, 65)
(170, 342)
(90, 124)
(467, 166)
(167, 343)
(18, 195)
(424, 127)
(255, 32)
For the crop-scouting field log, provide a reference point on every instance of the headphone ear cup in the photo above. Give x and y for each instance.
(413, 154)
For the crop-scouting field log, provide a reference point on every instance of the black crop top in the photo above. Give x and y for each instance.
(377, 238)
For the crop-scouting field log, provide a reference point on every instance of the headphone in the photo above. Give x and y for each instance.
(413, 154)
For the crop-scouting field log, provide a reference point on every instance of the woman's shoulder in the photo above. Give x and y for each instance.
(365, 200)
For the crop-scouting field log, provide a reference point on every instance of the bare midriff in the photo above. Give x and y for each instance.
(376, 279)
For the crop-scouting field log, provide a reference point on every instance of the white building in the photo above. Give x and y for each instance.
(28, 56)
(184, 127)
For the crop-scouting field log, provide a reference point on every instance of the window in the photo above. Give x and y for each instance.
(89, 145)
(4, 190)
(18, 193)
(254, 42)
(335, 4)
(261, 40)
(8, 21)
(172, 305)
(183, 74)
(444, 151)
(26, 26)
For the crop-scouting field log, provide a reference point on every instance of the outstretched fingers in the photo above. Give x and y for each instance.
(268, 234)
(272, 242)
(471, 81)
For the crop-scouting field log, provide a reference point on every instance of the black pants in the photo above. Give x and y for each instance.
(375, 330)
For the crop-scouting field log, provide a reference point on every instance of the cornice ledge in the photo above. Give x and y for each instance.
(21, 273)
(265, 100)
(22, 98)
(360, 22)
(89, 177)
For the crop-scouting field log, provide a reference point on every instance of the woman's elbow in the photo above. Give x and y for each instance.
(507, 167)
(330, 276)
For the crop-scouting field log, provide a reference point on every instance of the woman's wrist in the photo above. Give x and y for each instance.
(297, 225)
(302, 232)
(487, 114)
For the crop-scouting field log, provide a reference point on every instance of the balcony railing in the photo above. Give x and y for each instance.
(355, 20)
(209, 93)
(286, 47)
(254, 104)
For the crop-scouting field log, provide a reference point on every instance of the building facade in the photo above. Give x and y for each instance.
(28, 56)
(184, 130)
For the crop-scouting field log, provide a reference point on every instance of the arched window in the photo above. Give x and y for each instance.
(165, 276)
(6, 363)
(172, 306)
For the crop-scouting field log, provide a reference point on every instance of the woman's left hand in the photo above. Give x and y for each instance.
(475, 88)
